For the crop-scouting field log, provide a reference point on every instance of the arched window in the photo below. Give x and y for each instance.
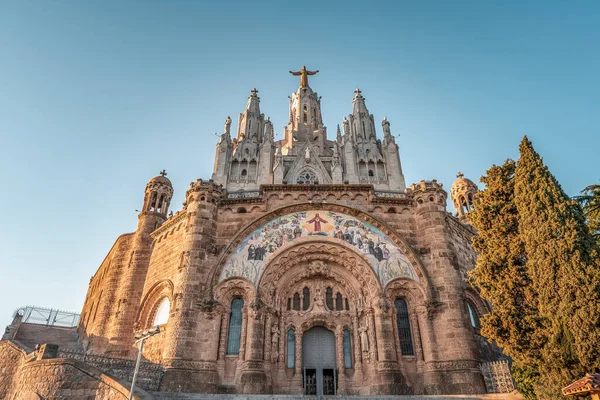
(247, 151)
(347, 304)
(162, 312)
(296, 302)
(371, 173)
(291, 348)
(289, 306)
(305, 115)
(244, 173)
(305, 298)
(235, 327)
(347, 349)
(338, 302)
(153, 202)
(406, 345)
(473, 315)
(329, 298)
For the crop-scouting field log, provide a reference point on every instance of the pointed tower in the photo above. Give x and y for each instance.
(391, 154)
(463, 195)
(223, 155)
(250, 148)
(306, 122)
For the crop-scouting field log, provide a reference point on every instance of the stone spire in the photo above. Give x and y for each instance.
(306, 122)
(362, 121)
(251, 122)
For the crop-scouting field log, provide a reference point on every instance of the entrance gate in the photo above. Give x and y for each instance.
(318, 362)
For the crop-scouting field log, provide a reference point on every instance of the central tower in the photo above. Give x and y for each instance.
(305, 123)
(305, 156)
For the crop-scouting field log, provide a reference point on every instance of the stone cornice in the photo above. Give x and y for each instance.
(317, 188)
(169, 223)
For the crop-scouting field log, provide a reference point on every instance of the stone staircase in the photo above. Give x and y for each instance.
(202, 396)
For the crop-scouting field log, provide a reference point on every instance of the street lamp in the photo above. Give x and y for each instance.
(141, 337)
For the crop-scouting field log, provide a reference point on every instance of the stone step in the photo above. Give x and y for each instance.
(204, 396)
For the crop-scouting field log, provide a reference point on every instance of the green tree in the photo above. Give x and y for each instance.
(590, 201)
(502, 276)
(538, 266)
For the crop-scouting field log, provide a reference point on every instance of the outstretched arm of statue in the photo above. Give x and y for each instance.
(311, 72)
(296, 73)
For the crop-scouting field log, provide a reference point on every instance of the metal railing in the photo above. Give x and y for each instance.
(497, 376)
(47, 316)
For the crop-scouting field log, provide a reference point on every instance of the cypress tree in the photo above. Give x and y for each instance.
(590, 201)
(562, 264)
(502, 276)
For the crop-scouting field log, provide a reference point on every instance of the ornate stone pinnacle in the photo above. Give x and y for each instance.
(459, 175)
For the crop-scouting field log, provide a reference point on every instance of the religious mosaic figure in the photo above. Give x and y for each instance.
(317, 220)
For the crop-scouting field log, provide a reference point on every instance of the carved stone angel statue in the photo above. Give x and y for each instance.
(227, 127)
(386, 126)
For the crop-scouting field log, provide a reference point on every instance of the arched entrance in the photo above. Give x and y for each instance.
(318, 362)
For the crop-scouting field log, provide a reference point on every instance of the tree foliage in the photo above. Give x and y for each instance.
(538, 266)
(590, 201)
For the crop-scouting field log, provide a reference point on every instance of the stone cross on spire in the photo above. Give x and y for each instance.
(303, 73)
(254, 92)
(163, 173)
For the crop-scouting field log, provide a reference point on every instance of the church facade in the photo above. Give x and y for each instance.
(303, 266)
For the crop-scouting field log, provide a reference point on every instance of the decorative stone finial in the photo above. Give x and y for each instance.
(163, 173)
(459, 175)
(254, 92)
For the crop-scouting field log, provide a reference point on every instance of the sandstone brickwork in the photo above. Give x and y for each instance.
(293, 241)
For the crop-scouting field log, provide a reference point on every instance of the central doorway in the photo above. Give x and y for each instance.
(318, 362)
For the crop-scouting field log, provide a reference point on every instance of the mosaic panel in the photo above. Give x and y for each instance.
(250, 257)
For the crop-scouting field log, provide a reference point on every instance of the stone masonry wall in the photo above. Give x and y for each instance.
(100, 301)
(11, 358)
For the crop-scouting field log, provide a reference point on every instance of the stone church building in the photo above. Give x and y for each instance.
(303, 266)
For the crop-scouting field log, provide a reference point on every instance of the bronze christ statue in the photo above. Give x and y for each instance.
(303, 75)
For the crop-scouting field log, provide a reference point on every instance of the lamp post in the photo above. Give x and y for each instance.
(141, 337)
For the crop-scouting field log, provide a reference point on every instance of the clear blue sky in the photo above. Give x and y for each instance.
(96, 97)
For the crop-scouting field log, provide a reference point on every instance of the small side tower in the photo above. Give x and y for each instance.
(157, 199)
(463, 194)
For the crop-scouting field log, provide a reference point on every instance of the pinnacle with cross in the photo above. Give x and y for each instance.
(357, 93)
(254, 91)
(459, 175)
(163, 173)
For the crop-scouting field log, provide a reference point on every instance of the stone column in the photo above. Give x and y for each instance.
(339, 349)
(253, 378)
(390, 379)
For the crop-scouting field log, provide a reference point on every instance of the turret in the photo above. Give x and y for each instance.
(157, 199)
(436, 240)
(463, 194)
(189, 362)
